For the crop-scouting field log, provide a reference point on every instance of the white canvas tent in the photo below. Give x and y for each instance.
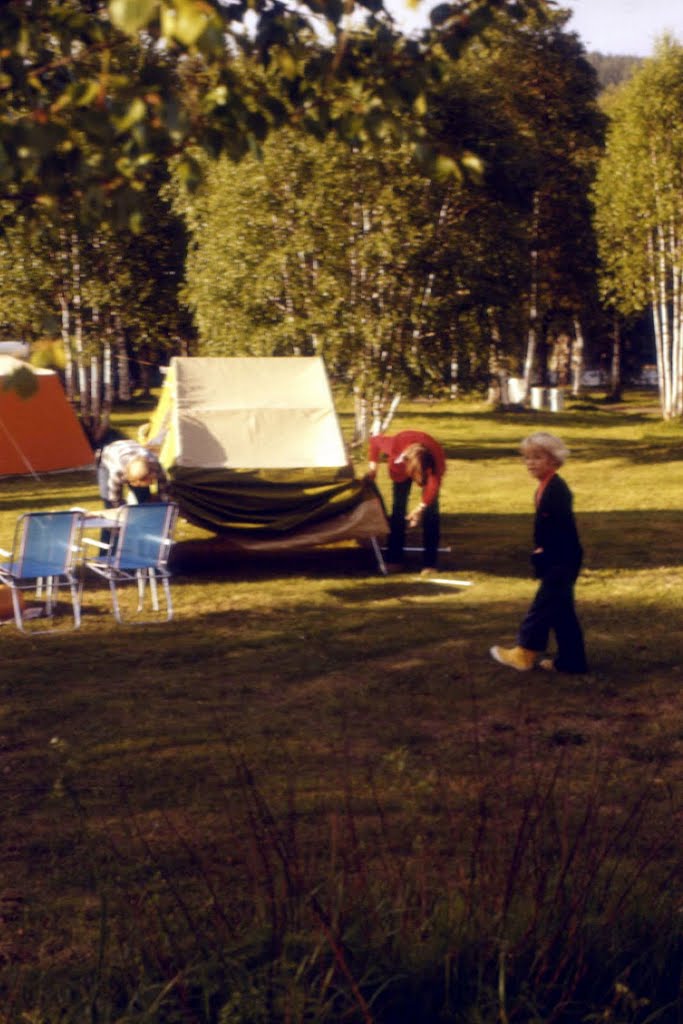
(254, 451)
(245, 413)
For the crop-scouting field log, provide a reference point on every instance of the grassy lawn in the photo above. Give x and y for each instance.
(313, 795)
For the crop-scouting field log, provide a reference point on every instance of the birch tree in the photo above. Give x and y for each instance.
(543, 95)
(639, 210)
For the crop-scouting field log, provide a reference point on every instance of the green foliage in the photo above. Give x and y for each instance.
(111, 285)
(613, 69)
(22, 381)
(639, 211)
(401, 280)
(318, 249)
(48, 355)
(93, 94)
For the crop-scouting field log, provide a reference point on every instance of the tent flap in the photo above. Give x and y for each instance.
(264, 503)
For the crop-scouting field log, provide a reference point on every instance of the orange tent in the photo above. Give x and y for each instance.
(39, 434)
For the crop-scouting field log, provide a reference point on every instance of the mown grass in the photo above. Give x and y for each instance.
(313, 796)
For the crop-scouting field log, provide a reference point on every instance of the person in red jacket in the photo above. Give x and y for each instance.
(412, 457)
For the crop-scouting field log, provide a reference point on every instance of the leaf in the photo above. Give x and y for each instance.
(438, 15)
(23, 381)
(420, 105)
(446, 167)
(132, 15)
(189, 172)
(286, 63)
(473, 164)
(136, 112)
(136, 222)
(185, 22)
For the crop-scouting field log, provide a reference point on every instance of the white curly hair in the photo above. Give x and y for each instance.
(549, 443)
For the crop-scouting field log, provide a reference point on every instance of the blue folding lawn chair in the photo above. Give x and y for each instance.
(44, 556)
(138, 553)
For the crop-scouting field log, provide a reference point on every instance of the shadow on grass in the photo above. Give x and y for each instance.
(488, 543)
(215, 557)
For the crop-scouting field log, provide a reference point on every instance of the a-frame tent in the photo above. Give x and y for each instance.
(254, 452)
(39, 431)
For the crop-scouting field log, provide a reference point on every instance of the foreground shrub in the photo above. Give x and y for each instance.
(545, 908)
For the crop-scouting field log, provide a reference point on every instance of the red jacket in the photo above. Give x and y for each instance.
(393, 446)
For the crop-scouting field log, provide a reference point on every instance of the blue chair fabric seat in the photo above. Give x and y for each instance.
(44, 557)
(138, 552)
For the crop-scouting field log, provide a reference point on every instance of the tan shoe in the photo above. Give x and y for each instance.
(428, 571)
(518, 658)
(547, 664)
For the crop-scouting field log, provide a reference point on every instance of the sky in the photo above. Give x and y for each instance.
(626, 27)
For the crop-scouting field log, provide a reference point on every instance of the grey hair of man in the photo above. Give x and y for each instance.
(549, 443)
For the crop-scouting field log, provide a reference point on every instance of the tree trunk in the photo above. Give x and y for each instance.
(69, 369)
(454, 372)
(122, 365)
(578, 349)
(676, 321)
(532, 334)
(81, 368)
(498, 383)
(615, 381)
(360, 406)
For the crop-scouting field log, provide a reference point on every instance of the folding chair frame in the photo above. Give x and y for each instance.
(42, 571)
(123, 562)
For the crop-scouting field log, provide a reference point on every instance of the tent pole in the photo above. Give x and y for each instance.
(19, 452)
(381, 564)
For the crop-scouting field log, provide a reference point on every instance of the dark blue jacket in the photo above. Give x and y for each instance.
(555, 531)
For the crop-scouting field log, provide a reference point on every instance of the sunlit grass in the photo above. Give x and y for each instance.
(375, 725)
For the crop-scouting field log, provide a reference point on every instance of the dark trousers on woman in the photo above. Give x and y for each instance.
(553, 609)
(430, 527)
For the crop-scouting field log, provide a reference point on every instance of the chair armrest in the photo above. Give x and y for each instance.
(95, 543)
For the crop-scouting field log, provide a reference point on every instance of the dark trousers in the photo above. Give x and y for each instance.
(553, 609)
(431, 529)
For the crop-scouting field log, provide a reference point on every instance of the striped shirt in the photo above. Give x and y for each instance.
(116, 458)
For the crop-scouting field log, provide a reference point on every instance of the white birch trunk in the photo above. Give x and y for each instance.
(122, 367)
(360, 405)
(69, 375)
(75, 255)
(664, 320)
(676, 325)
(578, 348)
(659, 352)
(532, 335)
(454, 372)
(95, 394)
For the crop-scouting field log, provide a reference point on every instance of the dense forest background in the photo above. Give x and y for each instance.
(486, 229)
(613, 69)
